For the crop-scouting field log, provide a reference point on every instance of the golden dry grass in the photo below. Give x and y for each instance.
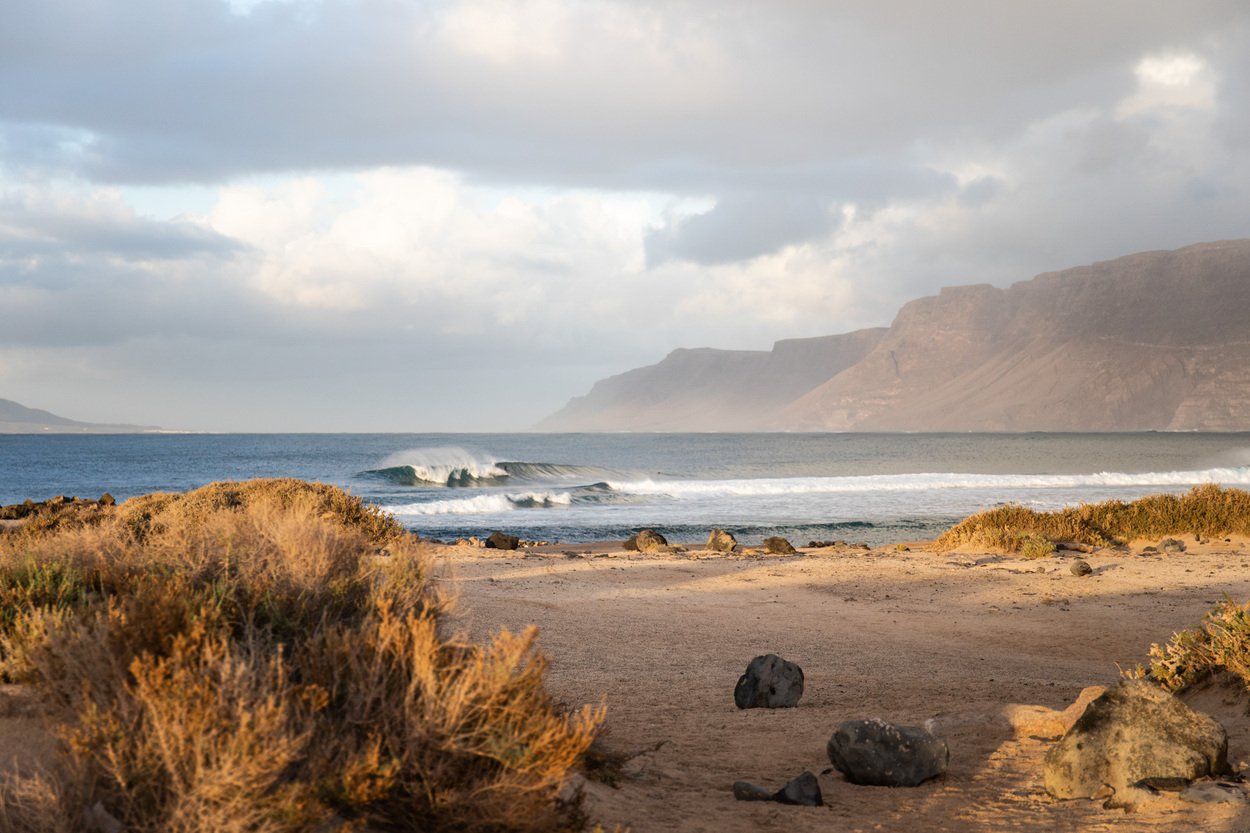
(244, 658)
(1206, 510)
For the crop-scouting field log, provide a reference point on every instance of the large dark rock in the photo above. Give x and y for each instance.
(770, 682)
(876, 753)
(1133, 732)
(502, 541)
(648, 540)
(776, 545)
(721, 541)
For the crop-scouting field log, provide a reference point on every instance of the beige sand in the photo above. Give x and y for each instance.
(965, 639)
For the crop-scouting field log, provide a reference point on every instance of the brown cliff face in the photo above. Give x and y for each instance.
(713, 390)
(1152, 341)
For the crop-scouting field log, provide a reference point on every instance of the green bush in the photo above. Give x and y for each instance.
(1221, 643)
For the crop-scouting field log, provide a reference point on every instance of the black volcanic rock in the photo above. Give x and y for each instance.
(770, 682)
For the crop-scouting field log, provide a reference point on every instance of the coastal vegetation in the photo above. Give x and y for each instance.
(1208, 510)
(268, 656)
(1219, 645)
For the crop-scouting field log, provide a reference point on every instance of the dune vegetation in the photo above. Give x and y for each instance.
(1208, 510)
(1220, 645)
(268, 656)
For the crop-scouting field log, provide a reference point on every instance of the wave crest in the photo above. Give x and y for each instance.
(458, 467)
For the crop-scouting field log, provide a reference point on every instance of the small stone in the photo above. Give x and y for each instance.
(502, 541)
(99, 820)
(1171, 546)
(746, 791)
(647, 540)
(1149, 551)
(1213, 793)
(803, 791)
(776, 545)
(1163, 784)
(1081, 568)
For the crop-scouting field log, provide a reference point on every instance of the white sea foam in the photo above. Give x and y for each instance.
(679, 489)
(485, 504)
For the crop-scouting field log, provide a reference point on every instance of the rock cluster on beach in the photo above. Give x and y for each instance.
(1121, 744)
(59, 511)
(802, 791)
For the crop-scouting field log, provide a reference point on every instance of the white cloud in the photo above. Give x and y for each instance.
(1171, 81)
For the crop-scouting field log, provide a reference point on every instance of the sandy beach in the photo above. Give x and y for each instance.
(984, 644)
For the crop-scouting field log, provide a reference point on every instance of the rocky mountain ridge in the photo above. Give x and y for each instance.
(16, 418)
(1152, 341)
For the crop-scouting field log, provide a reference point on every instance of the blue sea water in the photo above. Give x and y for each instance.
(874, 488)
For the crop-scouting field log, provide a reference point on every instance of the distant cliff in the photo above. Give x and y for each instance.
(18, 419)
(1152, 341)
(714, 390)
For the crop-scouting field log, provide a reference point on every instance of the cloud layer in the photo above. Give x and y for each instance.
(364, 214)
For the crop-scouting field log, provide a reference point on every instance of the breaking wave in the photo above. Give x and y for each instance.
(457, 467)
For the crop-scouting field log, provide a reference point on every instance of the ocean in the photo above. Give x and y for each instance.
(574, 488)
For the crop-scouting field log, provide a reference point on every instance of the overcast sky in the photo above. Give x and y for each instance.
(413, 215)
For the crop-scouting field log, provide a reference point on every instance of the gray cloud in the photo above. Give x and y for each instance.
(631, 96)
(34, 226)
(741, 227)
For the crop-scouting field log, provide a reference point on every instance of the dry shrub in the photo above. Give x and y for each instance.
(1207, 510)
(1220, 644)
(241, 658)
(1036, 546)
(158, 513)
(40, 802)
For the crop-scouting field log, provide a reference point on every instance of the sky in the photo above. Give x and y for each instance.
(417, 215)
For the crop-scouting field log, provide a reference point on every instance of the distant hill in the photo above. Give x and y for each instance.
(713, 390)
(18, 419)
(1153, 341)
